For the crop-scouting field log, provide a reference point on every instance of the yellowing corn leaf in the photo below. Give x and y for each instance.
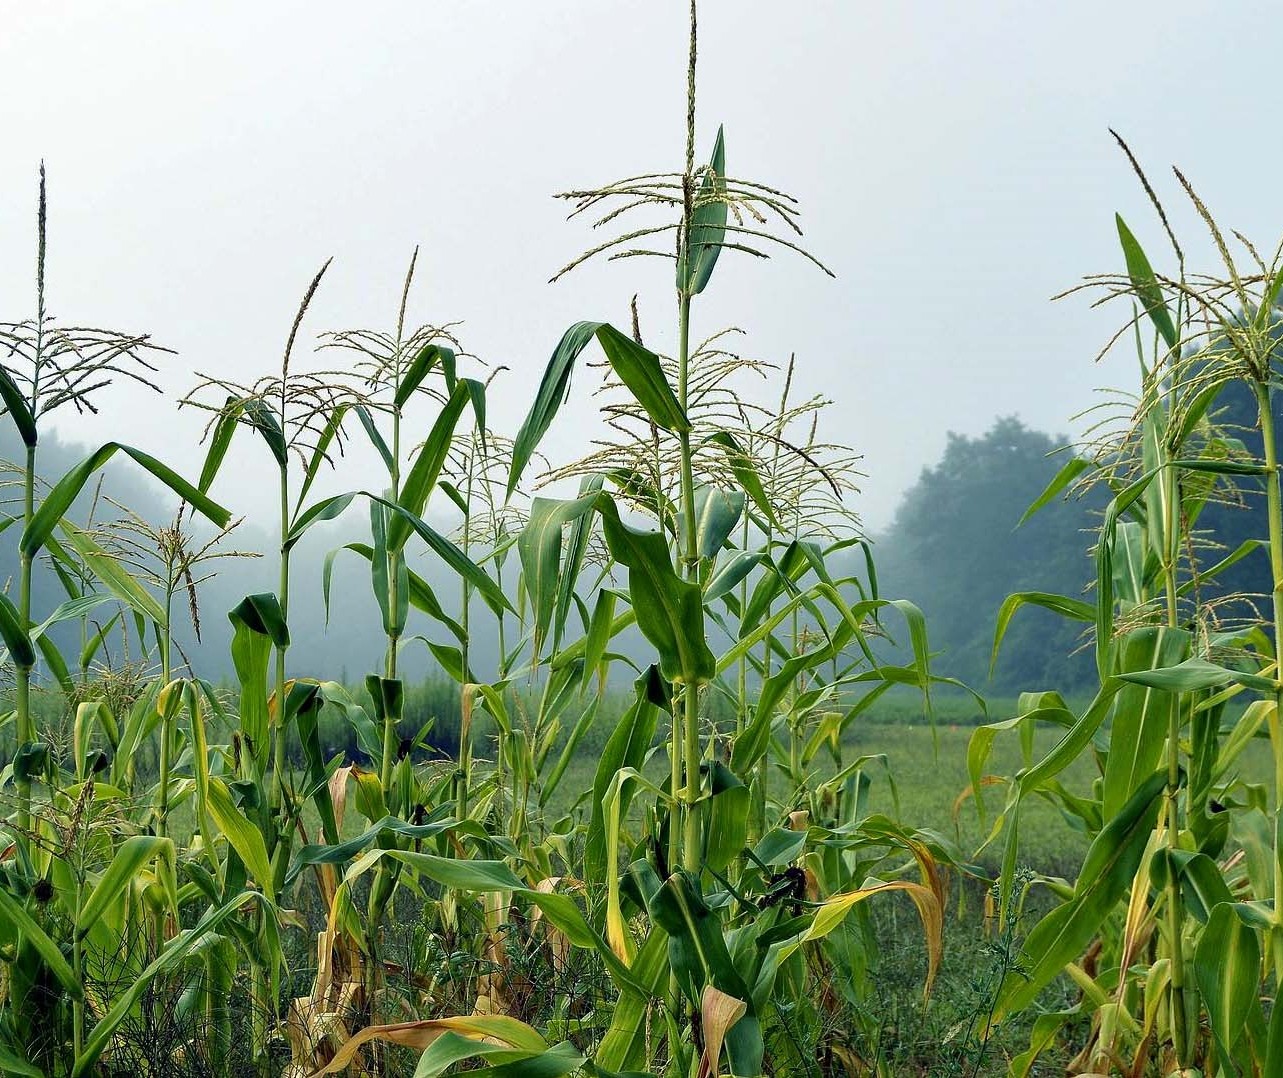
(718, 1012)
(490, 1029)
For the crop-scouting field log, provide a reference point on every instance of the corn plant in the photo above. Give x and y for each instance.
(1181, 974)
(47, 366)
(697, 825)
(398, 370)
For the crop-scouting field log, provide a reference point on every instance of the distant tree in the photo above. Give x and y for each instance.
(955, 549)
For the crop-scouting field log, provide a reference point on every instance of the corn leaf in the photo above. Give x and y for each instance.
(59, 500)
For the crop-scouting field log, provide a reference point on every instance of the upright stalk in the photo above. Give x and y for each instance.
(25, 724)
(690, 749)
(166, 720)
(1175, 909)
(283, 594)
(686, 744)
(394, 584)
(465, 729)
(26, 728)
(1274, 511)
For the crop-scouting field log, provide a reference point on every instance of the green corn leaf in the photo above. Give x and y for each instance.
(303, 707)
(114, 575)
(376, 439)
(1193, 674)
(342, 853)
(577, 734)
(1200, 878)
(242, 835)
(752, 743)
(452, 1048)
(1107, 872)
(697, 948)
(725, 817)
(262, 613)
(624, 1049)
(576, 551)
(321, 452)
(716, 514)
(639, 369)
(220, 441)
(14, 634)
(1075, 609)
(1061, 481)
(708, 224)
(420, 593)
(450, 659)
(670, 611)
(428, 462)
(1145, 284)
(455, 558)
(16, 405)
(96, 640)
(779, 846)
(1142, 713)
(600, 628)
(119, 876)
(325, 509)
(259, 416)
(746, 474)
(420, 367)
(257, 624)
(552, 393)
(10, 1063)
(21, 922)
(729, 576)
(71, 610)
(626, 749)
(454, 494)
(539, 546)
(1227, 967)
(68, 488)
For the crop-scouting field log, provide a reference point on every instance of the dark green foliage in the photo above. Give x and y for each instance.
(956, 548)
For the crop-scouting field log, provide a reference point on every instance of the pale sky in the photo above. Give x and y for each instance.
(953, 162)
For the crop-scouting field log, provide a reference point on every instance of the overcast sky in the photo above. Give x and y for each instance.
(953, 162)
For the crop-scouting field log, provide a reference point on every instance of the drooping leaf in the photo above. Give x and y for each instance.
(717, 512)
(1107, 873)
(670, 611)
(19, 411)
(428, 462)
(638, 368)
(539, 546)
(59, 500)
(14, 634)
(21, 922)
(1227, 967)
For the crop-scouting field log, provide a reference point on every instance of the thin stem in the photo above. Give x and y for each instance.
(689, 727)
(25, 724)
(166, 721)
(77, 965)
(465, 736)
(394, 584)
(283, 594)
(1274, 510)
(1175, 906)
